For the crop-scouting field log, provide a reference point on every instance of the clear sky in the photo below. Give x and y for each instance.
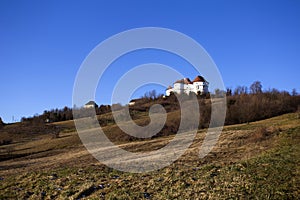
(43, 43)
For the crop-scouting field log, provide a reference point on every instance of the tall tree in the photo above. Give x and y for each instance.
(256, 87)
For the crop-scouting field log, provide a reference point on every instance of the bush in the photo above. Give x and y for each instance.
(260, 134)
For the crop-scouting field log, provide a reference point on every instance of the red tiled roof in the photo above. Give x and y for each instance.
(184, 81)
(199, 79)
(179, 81)
(188, 81)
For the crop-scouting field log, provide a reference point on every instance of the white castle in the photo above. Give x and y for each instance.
(199, 86)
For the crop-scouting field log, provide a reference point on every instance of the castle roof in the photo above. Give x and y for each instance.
(184, 81)
(199, 79)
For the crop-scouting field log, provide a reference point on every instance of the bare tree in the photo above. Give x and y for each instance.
(228, 92)
(151, 95)
(219, 93)
(256, 87)
(240, 90)
(294, 92)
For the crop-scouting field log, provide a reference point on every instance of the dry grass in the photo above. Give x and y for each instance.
(259, 160)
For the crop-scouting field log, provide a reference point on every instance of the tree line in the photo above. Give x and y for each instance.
(66, 113)
(243, 105)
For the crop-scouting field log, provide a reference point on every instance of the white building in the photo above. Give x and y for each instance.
(132, 102)
(90, 104)
(199, 86)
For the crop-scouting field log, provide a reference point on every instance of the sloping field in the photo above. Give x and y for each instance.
(257, 160)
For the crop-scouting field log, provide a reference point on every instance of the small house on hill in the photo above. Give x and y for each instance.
(91, 104)
(132, 102)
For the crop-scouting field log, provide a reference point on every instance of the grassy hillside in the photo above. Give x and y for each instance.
(257, 160)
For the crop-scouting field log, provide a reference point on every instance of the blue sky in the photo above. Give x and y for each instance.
(43, 43)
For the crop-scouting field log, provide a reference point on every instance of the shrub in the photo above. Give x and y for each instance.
(260, 134)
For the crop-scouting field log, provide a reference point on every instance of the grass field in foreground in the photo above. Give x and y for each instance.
(259, 160)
